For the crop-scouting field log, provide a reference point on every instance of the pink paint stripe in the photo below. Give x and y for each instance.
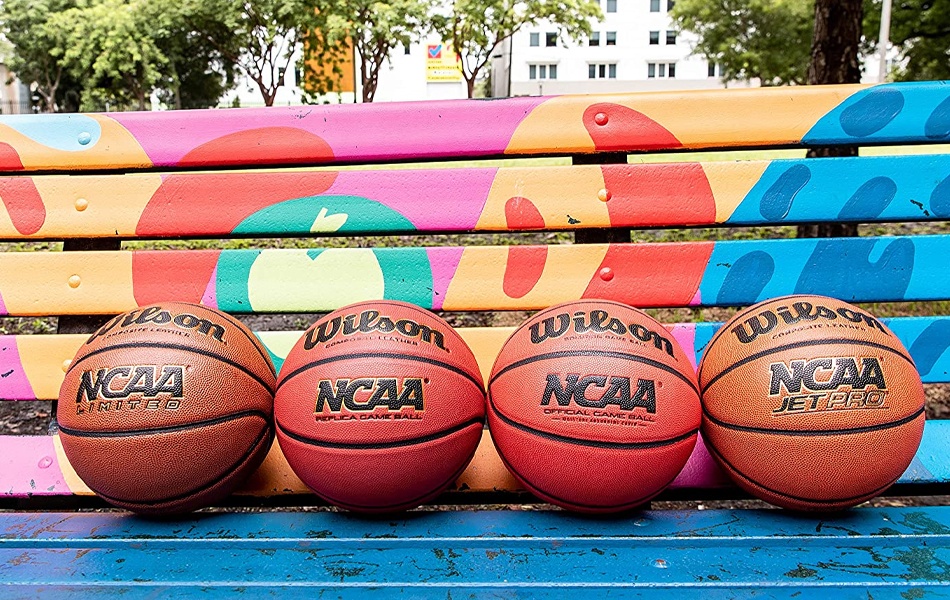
(685, 336)
(3, 307)
(28, 467)
(14, 384)
(210, 296)
(444, 262)
(701, 470)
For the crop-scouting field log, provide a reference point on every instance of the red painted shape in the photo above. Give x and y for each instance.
(215, 203)
(521, 213)
(626, 129)
(163, 276)
(652, 274)
(523, 269)
(23, 203)
(663, 194)
(9, 159)
(260, 147)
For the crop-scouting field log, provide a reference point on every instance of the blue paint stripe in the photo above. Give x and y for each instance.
(866, 189)
(513, 553)
(878, 269)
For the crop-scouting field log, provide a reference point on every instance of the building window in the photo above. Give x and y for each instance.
(654, 5)
(670, 4)
(550, 39)
(611, 38)
(654, 38)
(670, 38)
(712, 70)
(661, 70)
(535, 39)
(542, 71)
(611, 6)
(594, 38)
(602, 71)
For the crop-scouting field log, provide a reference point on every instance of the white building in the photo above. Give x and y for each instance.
(634, 48)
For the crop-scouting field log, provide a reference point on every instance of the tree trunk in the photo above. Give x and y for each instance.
(834, 59)
(470, 83)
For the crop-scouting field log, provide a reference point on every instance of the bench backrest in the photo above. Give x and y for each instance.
(305, 209)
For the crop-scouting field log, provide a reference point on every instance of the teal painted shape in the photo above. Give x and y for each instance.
(888, 113)
(930, 464)
(233, 273)
(297, 216)
(71, 133)
(710, 554)
(873, 188)
(851, 269)
(407, 274)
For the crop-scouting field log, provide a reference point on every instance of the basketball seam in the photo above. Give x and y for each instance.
(592, 443)
(816, 432)
(612, 507)
(423, 359)
(380, 445)
(803, 344)
(204, 487)
(168, 429)
(409, 503)
(255, 341)
(861, 497)
(167, 346)
(599, 353)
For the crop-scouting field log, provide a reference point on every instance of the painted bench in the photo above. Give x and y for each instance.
(297, 211)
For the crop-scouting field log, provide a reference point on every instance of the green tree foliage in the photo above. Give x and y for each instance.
(259, 36)
(475, 28)
(109, 46)
(920, 29)
(765, 39)
(375, 29)
(37, 51)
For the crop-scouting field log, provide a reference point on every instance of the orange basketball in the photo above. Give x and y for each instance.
(167, 408)
(593, 406)
(810, 403)
(380, 406)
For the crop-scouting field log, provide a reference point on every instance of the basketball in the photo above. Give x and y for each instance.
(379, 406)
(593, 406)
(167, 408)
(810, 403)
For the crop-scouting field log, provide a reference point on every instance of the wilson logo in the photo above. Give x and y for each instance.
(824, 384)
(371, 321)
(367, 394)
(156, 315)
(765, 321)
(598, 321)
(599, 391)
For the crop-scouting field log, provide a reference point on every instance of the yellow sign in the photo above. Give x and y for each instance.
(442, 64)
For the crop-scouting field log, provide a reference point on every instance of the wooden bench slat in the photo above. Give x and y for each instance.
(37, 466)
(225, 204)
(790, 116)
(32, 366)
(878, 552)
(724, 273)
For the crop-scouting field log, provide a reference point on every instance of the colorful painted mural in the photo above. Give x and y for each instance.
(804, 115)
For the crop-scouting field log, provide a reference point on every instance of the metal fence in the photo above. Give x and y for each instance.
(15, 107)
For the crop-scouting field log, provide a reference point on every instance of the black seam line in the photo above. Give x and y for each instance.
(480, 421)
(316, 363)
(602, 353)
(816, 432)
(168, 429)
(223, 359)
(592, 443)
(408, 503)
(255, 341)
(817, 501)
(804, 344)
(606, 507)
(262, 436)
